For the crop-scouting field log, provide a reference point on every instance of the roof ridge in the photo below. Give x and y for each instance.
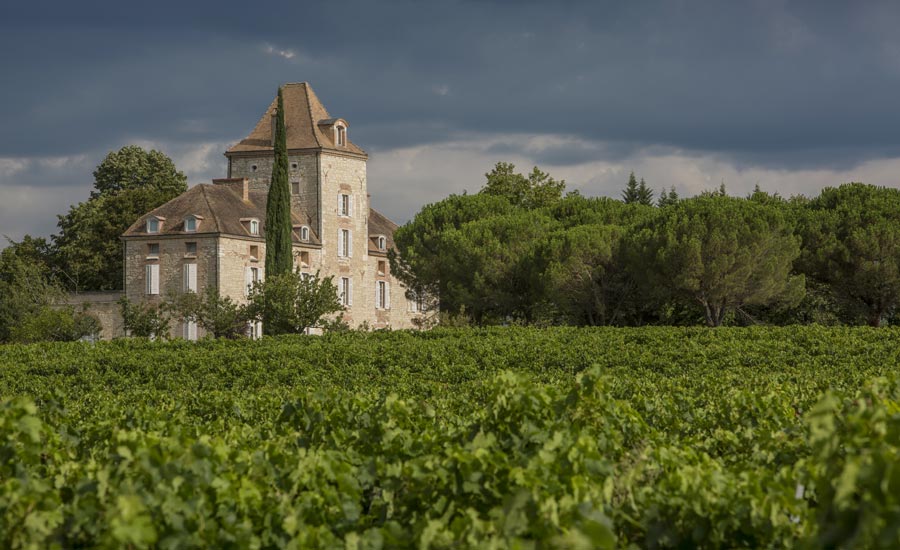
(312, 122)
(211, 209)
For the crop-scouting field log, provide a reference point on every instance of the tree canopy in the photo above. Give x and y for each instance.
(279, 245)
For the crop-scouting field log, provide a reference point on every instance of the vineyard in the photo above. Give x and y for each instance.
(495, 438)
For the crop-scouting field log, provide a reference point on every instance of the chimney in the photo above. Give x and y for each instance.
(246, 194)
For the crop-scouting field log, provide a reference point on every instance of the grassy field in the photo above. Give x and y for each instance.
(503, 438)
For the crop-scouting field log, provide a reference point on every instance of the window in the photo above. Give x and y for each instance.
(255, 330)
(153, 225)
(382, 295)
(152, 279)
(254, 252)
(293, 166)
(304, 259)
(153, 250)
(295, 187)
(415, 303)
(190, 224)
(254, 227)
(346, 292)
(304, 233)
(251, 275)
(341, 135)
(190, 250)
(253, 167)
(382, 265)
(345, 244)
(190, 330)
(382, 243)
(344, 206)
(190, 277)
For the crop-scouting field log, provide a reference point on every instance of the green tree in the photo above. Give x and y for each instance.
(536, 190)
(631, 194)
(666, 199)
(722, 253)
(279, 247)
(851, 242)
(644, 194)
(218, 315)
(127, 184)
(292, 302)
(145, 320)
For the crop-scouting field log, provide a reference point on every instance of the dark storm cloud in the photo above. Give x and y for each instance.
(764, 82)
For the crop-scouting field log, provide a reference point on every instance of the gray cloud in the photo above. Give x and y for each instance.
(785, 87)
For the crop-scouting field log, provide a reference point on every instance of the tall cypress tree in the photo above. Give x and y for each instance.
(279, 251)
(630, 195)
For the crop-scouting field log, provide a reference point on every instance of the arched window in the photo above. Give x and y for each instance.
(341, 135)
(304, 233)
(190, 224)
(382, 243)
(254, 227)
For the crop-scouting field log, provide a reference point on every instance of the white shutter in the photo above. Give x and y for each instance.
(153, 279)
(350, 200)
(377, 294)
(340, 243)
(349, 244)
(339, 204)
(190, 330)
(350, 293)
(248, 280)
(190, 277)
(387, 295)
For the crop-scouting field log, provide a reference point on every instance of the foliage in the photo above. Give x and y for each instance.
(635, 193)
(25, 291)
(505, 438)
(722, 253)
(127, 184)
(536, 190)
(145, 319)
(292, 302)
(218, 315)
(54, 324)
(279, 245)
(667, 199)
(851, 242)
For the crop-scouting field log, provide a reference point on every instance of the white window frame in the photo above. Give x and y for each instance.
(382, 295)
(254, 227)
(382, 242)
(345, 205)
(190, 330)
(345, 243)
(340, 137)
(346, 292)
(153, 225)
(188, 220)
(152, 279)
(304, 233)
(252, 274)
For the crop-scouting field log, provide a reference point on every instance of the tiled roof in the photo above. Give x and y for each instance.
(304, 116)
(380, 225)
(221, 207)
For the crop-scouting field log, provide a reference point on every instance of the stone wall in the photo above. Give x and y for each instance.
(104, 307)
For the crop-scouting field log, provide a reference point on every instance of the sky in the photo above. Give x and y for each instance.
(790, 96)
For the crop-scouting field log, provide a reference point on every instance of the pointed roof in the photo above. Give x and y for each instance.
(307, 123)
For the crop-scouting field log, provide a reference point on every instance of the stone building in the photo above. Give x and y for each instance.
(214, 234)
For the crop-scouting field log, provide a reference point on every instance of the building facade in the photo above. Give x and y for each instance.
(214, 234)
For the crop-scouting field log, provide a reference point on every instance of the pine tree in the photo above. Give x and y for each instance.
(645, 194)
(631, 194)
(279, 251)
(666, 199)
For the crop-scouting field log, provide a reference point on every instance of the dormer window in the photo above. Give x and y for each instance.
(153, 225)
(304, 233)
(190, 224)
(382, 243)
(254, 227)
(341, 135)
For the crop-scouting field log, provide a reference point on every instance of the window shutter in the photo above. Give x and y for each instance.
(387, 296)
(350, 293)
(190, 330)
(340, 243)
(153, 279)
(339, 205)
(248, 280)
(377, 294)
(349, 244)
(190, 277)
